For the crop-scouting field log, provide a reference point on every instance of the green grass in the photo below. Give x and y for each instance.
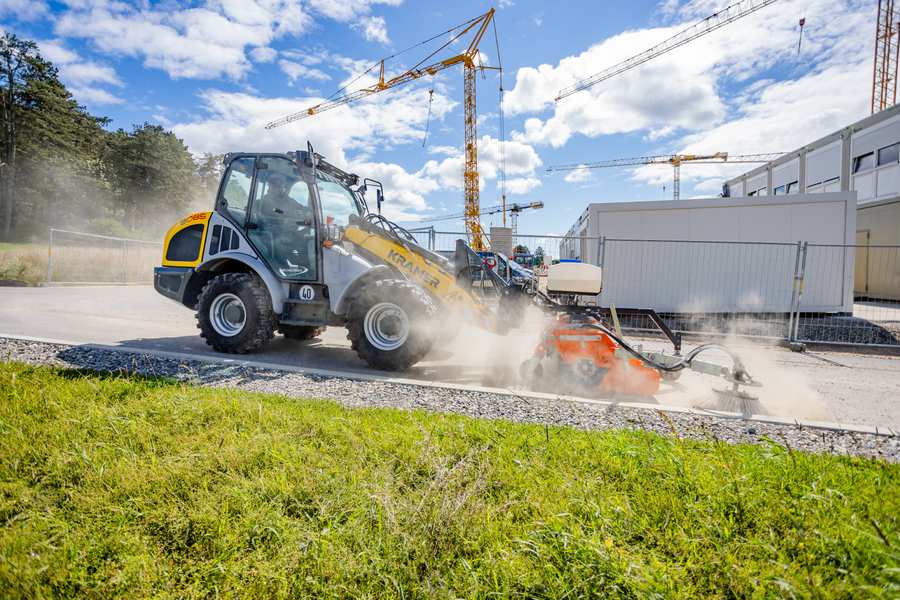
(23, 262)
(113, 486)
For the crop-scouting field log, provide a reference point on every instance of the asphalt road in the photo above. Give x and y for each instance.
(842, 388)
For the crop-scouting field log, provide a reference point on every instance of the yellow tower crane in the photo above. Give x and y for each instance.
(470, 63)
(675, 160)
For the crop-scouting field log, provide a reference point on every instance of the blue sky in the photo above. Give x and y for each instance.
(216, 72)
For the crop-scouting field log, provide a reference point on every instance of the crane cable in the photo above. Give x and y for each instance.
(428, 120)
(502, 128)
(453, 39)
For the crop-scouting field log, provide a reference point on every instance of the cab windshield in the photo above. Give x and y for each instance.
(337, 201)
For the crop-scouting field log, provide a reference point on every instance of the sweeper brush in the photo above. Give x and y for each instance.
(590, 355)
(733, 400)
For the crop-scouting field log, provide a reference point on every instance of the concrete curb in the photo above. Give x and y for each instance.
(827, 425)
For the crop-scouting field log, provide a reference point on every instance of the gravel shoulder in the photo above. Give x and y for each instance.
(559, 412)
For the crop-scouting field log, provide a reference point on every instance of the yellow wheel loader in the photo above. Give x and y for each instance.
(291, 246)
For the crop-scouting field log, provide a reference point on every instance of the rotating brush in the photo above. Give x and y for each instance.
(733, 400)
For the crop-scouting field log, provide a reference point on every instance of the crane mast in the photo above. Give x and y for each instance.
(887, 48)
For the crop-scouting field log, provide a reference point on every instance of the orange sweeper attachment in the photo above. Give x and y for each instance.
(590, 354)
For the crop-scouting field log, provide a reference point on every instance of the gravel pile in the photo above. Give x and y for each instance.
(356, 393)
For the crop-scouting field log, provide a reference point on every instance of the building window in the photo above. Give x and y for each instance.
(889, 155)
(864, 162)
(793, 187)
(751, 194)
(779, 191)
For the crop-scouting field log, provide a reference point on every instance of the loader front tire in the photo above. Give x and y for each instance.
(234, 313)
(300, 332)
(390, 324)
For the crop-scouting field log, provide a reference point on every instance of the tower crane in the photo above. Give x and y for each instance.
(675, 160)
(512, 209)
(887, 48)
(467, 59)
(707, 25)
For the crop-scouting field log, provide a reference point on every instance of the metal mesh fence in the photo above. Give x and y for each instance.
(798, 292)
(870, 279)
(735, 288)
(96, 259)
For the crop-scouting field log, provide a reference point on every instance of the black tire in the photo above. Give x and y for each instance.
(300, 332)
(234, 313)
(390, 324)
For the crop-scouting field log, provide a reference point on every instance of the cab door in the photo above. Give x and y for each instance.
(282, 221)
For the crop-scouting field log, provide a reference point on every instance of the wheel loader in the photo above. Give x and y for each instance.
(291, 246)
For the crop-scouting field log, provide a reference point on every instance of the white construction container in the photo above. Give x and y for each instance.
(724, 254)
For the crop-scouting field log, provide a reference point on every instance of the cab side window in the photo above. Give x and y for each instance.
(283, 223)
(235, 194)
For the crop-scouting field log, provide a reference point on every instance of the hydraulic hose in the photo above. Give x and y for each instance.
(739, 372)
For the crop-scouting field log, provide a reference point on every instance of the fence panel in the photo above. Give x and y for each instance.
(874, 285)
(735, 288)
(96, 259)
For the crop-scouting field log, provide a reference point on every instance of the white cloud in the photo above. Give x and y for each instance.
(210, 41)
(686, 90)
(263, 55)
(579, 175)
(522, 186)
(296, 71)
(95, 96)
(23, 9)
(81, 76)
(373, 29)
(449, 150)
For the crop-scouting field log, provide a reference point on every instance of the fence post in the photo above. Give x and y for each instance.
(137, 276)
(49, 255)
(602, 253)
(793, 337)
(124, 262)
(790, 330)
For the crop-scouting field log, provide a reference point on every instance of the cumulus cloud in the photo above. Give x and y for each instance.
(686, 90)
(296, 71)
(217, 39)
(263, 55)
(373, 29)
(522, 186)
(579, 175)
(23, 9)
(96, 96)
(81, 76)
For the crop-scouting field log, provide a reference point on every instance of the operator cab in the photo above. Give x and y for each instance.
(285, 210)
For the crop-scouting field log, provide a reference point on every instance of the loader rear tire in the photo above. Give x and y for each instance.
(300, 332)
(234, 313)
(390, 324)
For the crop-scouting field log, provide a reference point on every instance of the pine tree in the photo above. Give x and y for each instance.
(15, 70)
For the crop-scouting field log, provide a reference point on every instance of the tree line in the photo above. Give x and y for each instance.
(62, 167)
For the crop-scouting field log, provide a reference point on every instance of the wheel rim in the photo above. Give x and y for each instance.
(227, 315)
(386, 326)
